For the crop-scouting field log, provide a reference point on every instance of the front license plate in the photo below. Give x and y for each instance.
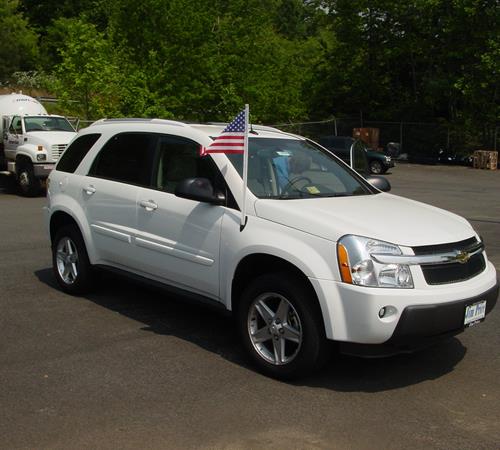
(474, 313)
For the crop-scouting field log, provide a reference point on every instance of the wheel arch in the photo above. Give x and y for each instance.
(256, 264)
(62, 217)
(21, 159)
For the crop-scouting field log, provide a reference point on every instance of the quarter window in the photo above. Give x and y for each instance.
(126, 157)
(74, 154)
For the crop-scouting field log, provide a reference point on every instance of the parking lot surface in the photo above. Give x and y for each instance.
(132, 367)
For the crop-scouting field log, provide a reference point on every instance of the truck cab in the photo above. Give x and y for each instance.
(32, 146)
(32, 140)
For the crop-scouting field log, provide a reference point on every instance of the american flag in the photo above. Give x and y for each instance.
(231, 140)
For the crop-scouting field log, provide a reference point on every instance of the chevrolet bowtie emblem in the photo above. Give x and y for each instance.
(462, 257)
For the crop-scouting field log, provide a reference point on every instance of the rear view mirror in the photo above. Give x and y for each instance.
(381, 183)
(199, 189)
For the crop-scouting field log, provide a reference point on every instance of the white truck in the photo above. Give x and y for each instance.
(32, 140)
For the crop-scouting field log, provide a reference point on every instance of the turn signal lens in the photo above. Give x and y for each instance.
(345, 270)
(40, 148)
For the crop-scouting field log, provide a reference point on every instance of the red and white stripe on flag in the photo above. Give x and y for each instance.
(231, 140)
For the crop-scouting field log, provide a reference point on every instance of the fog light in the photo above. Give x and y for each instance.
(387, 311)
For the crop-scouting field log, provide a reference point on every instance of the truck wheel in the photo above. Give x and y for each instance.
(70, 261)
(29, 185)
(376, 167)
(281, 327)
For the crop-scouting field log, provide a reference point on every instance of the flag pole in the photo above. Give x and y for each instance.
(245, 171)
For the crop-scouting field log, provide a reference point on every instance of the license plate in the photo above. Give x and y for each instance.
(474, 313)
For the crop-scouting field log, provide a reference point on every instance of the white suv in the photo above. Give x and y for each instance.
(315, 263)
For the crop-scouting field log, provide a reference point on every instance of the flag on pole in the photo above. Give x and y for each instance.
(234, 139)
(231, 140)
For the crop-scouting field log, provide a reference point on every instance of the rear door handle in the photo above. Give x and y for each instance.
(148, 205)
(89, 190)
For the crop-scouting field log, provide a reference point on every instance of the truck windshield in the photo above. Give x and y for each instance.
(294, 168)
(44, 123)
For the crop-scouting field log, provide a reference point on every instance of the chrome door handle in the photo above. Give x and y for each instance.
(89, 190)
(148, 205)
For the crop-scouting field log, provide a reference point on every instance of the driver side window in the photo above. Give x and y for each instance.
(16, 126)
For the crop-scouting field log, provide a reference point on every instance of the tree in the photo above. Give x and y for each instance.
(88, 72)
(19, 44)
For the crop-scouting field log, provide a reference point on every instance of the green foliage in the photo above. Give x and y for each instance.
(420, 60)
(18, 43)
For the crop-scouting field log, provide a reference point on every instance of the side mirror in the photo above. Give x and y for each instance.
(381, 183)
(199, 189)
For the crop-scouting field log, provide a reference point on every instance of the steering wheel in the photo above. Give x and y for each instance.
(292, 182)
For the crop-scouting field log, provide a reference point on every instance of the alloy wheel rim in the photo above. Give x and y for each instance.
(274, 328)
(67, 260)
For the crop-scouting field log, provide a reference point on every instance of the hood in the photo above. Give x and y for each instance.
(49, 138)
(381, 216)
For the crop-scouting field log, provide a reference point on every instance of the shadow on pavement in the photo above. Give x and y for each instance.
(164, 314)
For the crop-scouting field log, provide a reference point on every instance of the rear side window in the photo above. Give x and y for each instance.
(126, 157)
(73, 155)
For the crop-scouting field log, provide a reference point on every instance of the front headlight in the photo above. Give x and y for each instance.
(357, 266)
(41, 157)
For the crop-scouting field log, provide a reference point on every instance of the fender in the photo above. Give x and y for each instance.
(73, 209)
(265, 237)
(30, 151)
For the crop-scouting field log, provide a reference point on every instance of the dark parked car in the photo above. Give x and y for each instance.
(341, 146)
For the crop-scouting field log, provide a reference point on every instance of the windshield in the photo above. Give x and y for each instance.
(44, 123)
(293, 168)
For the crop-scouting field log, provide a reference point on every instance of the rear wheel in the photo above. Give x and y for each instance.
(281, 326)
(29, 185)
(70, 261)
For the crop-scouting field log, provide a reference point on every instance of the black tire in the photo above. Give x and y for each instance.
(29, 185)
(376, 167)
(313, 351)
(83, 281)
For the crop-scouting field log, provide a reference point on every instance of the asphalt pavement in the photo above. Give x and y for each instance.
(131, 367)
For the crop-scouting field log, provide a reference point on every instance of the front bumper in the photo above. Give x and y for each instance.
(423, 325)
(42, 170)
(350, 312)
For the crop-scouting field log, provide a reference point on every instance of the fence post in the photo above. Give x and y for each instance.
(335, 125)
(401, 137)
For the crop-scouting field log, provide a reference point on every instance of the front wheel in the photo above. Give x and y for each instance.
(376, 167)
(28, 183)
(281, 326)
(70, 261)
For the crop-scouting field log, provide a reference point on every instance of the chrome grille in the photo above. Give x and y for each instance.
(452, 272)
(57, 151)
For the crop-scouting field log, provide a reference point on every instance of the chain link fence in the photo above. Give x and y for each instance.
(418, 139)
(414, 138)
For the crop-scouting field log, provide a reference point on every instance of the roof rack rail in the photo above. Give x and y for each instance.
(138, 120)
(253, 126)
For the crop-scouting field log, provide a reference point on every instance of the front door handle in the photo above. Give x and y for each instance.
(89, 190)
(148, 205)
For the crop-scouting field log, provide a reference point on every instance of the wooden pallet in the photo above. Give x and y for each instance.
(485, 159)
